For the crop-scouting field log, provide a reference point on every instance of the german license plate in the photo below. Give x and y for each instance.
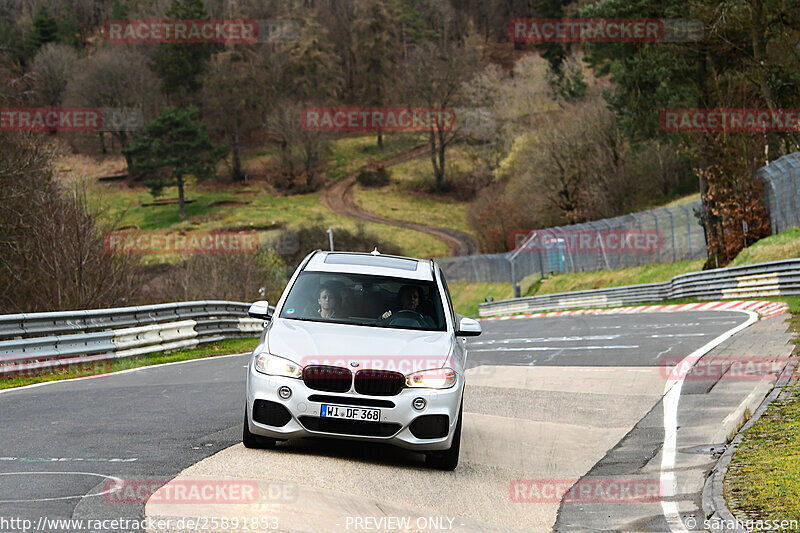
(350, 413)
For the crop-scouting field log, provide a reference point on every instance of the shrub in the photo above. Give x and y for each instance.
(293, 245)
(51, 251)
(237, 277)
(374, 177)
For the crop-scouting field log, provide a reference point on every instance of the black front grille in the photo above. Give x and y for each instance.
(270, 413)
(349, 427)
(327, 378)
(347, 400)
(379, 382)
(430, 426)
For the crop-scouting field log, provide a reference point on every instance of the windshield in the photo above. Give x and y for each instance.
(364, 300)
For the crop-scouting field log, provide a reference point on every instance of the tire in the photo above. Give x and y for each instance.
(253, 441)
(448, 459)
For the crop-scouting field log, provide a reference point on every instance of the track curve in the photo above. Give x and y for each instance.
(554, 398)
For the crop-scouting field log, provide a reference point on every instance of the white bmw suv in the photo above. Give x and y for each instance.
(364, 347)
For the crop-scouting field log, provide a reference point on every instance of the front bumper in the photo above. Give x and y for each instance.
(305, 410)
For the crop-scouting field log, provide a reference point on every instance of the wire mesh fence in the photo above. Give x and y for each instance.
(661, 235)
(781, 180)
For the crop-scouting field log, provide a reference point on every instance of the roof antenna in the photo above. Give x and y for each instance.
(375, 251)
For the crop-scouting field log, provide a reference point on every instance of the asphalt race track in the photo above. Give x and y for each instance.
(550, 401)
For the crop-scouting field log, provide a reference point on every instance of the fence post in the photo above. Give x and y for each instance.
(672, 229)
(688, 229)
(655, 218)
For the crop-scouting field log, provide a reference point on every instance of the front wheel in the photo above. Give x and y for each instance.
(253, 441)
(448, 459)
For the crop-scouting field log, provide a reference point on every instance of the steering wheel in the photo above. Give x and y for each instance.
(407, 317)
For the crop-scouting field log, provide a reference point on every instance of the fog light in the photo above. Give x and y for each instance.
(418, 404)
(285, 393)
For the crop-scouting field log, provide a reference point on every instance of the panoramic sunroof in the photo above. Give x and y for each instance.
(371, 260)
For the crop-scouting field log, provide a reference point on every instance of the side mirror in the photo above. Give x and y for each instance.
(468, 327)
(260, 310)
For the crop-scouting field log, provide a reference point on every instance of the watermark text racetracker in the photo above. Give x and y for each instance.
(198, 492)
(594, 30)
(608, 241)
(97, 368)
(731, 120)
(52, 119)
(171, 242)
(747, 368)
(377, 119)
(587, 490)
(230, 31)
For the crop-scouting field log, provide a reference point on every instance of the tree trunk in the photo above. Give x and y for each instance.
(405, 45)
(124, 143)
(180, 198)
(440, 177)
(758, 36)
(236, 154)
(434, 162)
(709, 226)
(380, 139)
(440, 148)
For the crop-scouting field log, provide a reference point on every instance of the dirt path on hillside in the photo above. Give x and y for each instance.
(338, 197)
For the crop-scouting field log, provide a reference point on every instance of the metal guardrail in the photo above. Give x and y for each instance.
(777, 278)
(33, 342)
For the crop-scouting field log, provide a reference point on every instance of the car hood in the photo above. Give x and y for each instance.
(404, 350)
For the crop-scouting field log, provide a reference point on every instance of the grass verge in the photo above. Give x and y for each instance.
(350, 153)
(225, 347)
(763, 479)
(466, 296)
(579, 281)
(394, 203)
(784, 245)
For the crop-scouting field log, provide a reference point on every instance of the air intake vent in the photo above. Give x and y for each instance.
(327, 378)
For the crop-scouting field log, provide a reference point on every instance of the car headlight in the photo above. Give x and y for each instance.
(440, 378)
(277, 366)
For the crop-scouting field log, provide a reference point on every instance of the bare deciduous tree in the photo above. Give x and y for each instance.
(301, 149)
(435, 77)
(51, 247)
(116, 77)
(52, 69)
(233, 99)
(578, 162)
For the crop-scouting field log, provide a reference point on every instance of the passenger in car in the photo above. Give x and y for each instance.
(329, 302)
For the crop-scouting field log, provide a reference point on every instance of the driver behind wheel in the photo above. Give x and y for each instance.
(410, 297)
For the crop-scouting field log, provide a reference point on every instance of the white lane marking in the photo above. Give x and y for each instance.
(546, 348)
(69, 459)
(128, 371)
(582, 338)
(548, 339)
(672, 395)
(669, 335)
(116, 481)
